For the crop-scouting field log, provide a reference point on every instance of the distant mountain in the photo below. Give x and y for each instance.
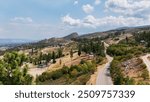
(145, 27)
(92, 35)
(65, 40)
(121, 29)
(13, 41)
(52, 41)
(57, 41)
(71, 36)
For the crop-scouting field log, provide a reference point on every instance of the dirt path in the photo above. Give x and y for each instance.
(146, 61)
(37, 71)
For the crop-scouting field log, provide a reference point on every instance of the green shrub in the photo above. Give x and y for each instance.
(77, 74)
(145, 74)
(56, 74)
(129, 81)
(82, 61)
(74, 73)
(65, 70)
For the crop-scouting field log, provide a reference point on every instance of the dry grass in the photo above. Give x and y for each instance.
(66, 60)
(111, 41)
(49, 49)
(134, 69)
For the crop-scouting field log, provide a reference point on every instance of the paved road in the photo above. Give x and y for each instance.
(104, 77)
(146, 61)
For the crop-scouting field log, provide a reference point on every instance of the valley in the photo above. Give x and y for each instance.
(115, 57)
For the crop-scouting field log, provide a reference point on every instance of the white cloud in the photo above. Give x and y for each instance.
(128, 13)
(112, 21)
(129, 7)
(71, 21)
(76, 2)
(97, 2)
(22, 20)
(87, 8)
(109, 21)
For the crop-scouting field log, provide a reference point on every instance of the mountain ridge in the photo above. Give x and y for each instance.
(74, 35)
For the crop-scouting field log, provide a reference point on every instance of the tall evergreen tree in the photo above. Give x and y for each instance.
(71, 54)
(59, 51)
(79, 50)
(54, 57)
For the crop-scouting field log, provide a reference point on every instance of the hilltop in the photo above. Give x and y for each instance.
(71, 36)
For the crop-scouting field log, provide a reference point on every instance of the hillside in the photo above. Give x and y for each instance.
(67, 39)
(83, 59)
(116, 31)
(71, 36)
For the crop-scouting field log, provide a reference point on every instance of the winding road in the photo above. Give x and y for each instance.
(103, 77)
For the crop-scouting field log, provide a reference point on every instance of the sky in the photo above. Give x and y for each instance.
(40, 19)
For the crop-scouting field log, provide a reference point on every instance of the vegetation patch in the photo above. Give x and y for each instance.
(12, 71)
(75, 75)
(127, 68)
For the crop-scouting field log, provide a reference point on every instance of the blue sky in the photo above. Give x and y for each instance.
(39, 19)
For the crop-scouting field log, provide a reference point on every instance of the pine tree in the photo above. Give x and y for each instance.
(10, 70)
(79, 50)
(127, 40)
(48, 58)
(71, 54)
(40, 58)
(54, 57)
(59, 51)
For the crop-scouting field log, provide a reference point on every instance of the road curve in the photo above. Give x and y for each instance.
(103, 77)
(146, 61)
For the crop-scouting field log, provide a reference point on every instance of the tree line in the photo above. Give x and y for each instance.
(91, 46)
(143, 37)
(125, 50)
(44, 59)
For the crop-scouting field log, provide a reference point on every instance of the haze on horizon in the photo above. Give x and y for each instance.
(39, 19)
